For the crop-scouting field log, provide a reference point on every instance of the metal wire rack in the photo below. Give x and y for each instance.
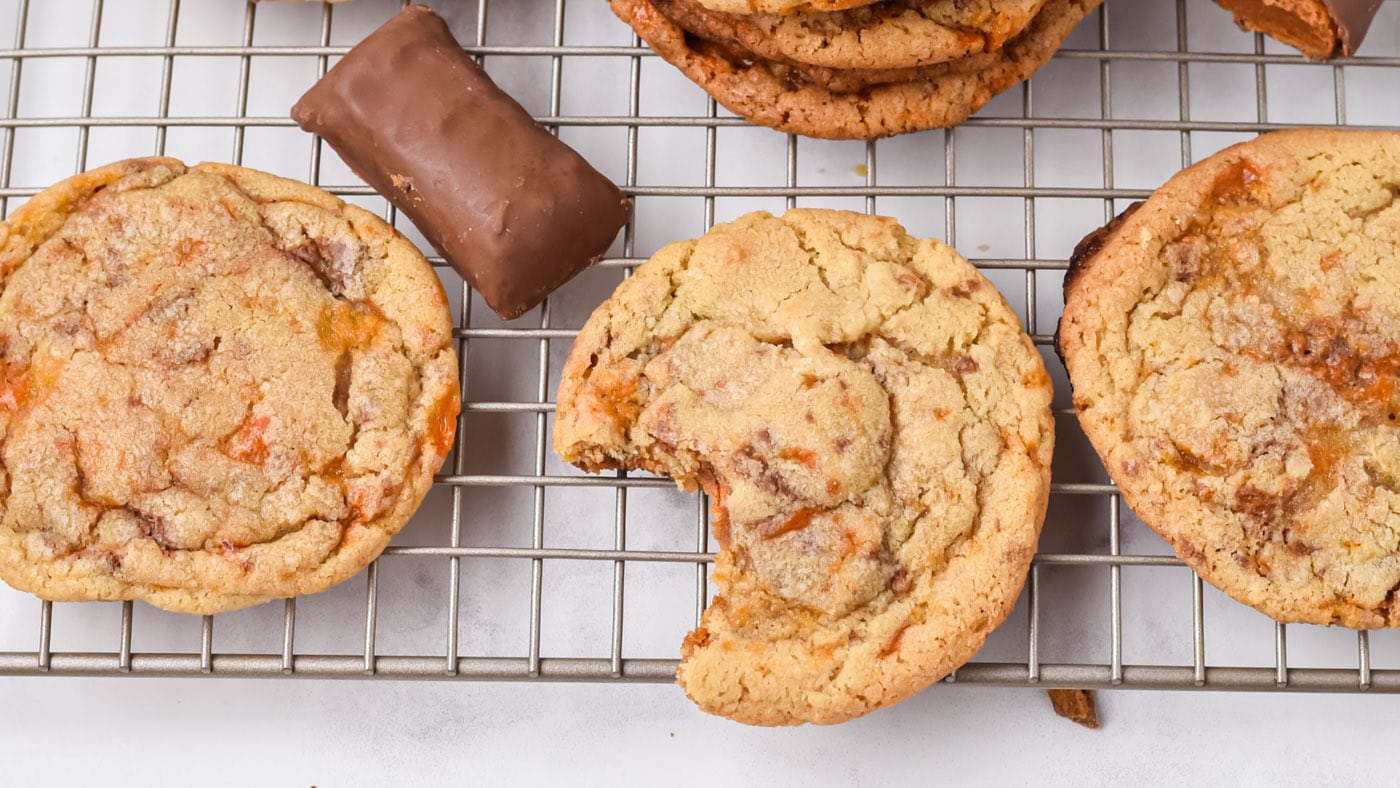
(520, 568)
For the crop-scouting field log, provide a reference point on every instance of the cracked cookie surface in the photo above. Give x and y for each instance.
(874, 427)
(892, 34)
(1234, 344)
(840, 104)
(219, 387)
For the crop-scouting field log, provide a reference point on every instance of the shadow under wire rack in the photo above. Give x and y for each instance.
(521, 568)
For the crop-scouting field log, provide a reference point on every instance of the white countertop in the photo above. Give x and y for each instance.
(238, 732)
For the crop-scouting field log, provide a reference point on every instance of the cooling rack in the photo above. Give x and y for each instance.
(520, 568)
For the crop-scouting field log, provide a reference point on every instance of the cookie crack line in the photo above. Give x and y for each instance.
(1299, 363)
(1205, 232)
(327, 471)
(395, 337)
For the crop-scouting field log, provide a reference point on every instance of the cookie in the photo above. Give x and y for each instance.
(874, 428)
(779, 97)
(690, 17)
(219, 387)
(780, 6)
(858, 80)
(893, 34)
(838, 80)
(1233, 345)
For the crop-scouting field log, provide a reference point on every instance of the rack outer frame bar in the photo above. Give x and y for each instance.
(566, 669)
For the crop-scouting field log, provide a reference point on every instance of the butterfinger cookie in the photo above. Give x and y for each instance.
(833, 80)
(892, 34)
(780, 6)
(1234, 345)
(782, 97)
(219, 387)
(874, 427)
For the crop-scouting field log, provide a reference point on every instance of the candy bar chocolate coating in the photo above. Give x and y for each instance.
(515, 211)
(1320, 29)
(1353, 19)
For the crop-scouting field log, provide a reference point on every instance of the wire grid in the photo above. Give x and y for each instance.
(1024, 635)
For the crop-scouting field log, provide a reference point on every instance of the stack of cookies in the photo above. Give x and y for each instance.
(855, 69)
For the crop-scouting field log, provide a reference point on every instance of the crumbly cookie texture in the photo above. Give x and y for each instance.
(892, 34)
(791, 99)
(874, 427)
(1234, 344)
(217, 387)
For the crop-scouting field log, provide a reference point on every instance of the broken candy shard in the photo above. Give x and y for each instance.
(1353, 19)
(1320, 29)
(515, 211)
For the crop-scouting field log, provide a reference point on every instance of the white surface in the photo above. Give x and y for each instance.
(138, 732)
(298, 732)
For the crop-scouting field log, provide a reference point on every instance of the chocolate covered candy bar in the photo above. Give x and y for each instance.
(1320, 29)
(515, 211)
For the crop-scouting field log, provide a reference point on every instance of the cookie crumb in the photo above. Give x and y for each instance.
(1076, 705)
